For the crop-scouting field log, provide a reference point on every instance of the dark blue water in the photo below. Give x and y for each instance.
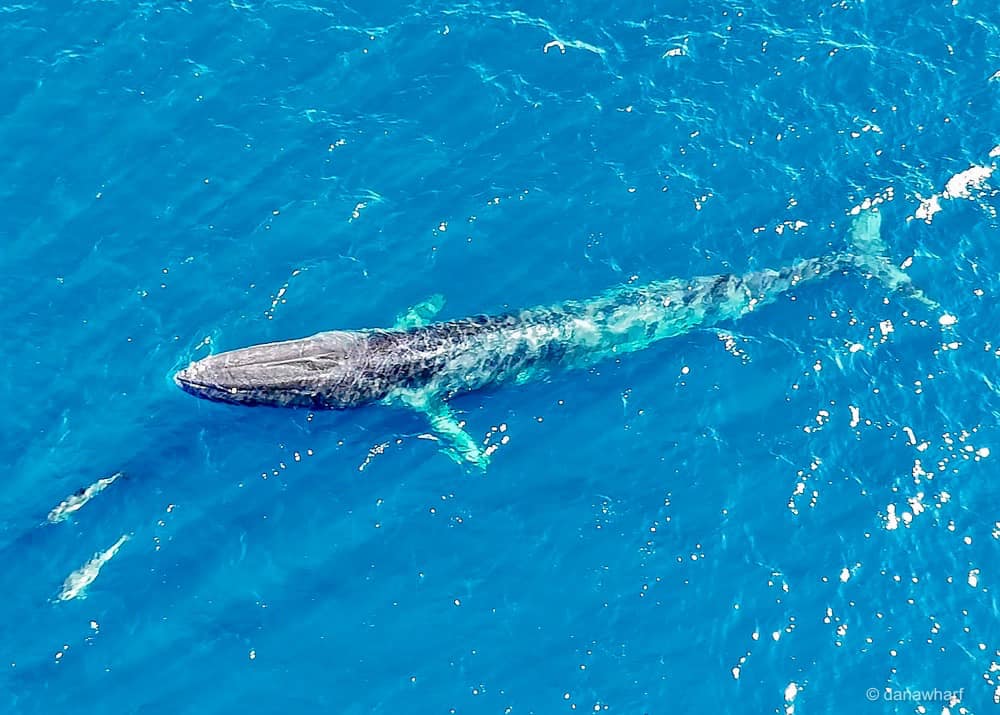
(782, 524)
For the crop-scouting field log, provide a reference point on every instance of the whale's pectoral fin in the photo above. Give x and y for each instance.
(449, 430)
(458, 444)
(420, 314)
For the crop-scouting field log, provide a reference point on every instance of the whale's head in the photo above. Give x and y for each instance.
(323, 371)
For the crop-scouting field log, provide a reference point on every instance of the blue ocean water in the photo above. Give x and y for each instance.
(777, 522)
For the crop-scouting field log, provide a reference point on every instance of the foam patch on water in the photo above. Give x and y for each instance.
(872, 202)
(961, 184)
(969, 184)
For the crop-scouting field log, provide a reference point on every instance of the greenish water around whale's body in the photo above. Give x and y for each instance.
(786, 512)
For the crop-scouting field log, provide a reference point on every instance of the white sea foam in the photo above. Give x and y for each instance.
(961, 184)
(965, 184)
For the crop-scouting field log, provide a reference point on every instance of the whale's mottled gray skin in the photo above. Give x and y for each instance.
(342, 369)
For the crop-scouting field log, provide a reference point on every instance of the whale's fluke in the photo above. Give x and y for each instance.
(871, 254)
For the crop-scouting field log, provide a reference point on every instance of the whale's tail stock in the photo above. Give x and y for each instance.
(870, 254)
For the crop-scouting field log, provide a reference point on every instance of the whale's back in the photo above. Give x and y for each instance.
(341, 369)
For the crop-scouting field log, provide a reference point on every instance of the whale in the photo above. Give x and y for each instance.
(421, 364)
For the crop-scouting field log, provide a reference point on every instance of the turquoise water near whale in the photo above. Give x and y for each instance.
(779, 519)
